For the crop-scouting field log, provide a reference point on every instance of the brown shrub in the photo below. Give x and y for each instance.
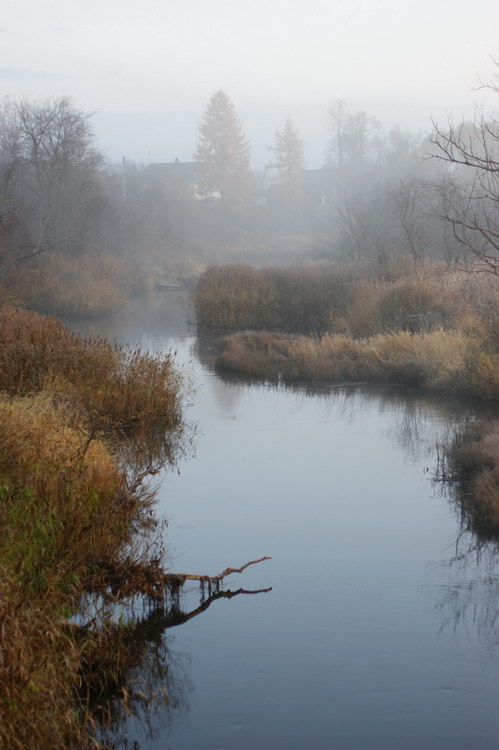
(296, 299)
(92, 284)
(38, 672)
(117, 388)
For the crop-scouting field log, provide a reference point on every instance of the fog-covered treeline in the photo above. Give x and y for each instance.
(378, 192)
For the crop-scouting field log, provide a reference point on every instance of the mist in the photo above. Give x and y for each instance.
(249, 265)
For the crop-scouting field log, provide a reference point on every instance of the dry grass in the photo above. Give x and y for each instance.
(473, 463)
(74, 516)
(359, 300)
(437, 360)
(297, 299)
(92, 284)
(116, 388)
(411, 303)
(67, 514)
(38, 672)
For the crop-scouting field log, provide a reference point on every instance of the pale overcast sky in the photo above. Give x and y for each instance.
(148, 69)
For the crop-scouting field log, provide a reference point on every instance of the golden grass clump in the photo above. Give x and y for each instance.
(65, 510)
(65, 503)
(116, 388)
(438, 360)
(413, 304)
(38, 671)
(473, 461)
(296, 299)
(75, 516)
(92, 284)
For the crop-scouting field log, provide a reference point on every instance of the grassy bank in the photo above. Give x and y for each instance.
(88, 285)
(356, 299)
(419, 325)
(440, 360)
(82, 424)
(391, 321)
(471, 466)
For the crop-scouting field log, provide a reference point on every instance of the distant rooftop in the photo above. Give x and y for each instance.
(186, 170)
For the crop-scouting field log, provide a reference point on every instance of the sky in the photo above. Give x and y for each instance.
(147, 70)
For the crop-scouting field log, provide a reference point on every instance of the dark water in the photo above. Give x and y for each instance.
(380, 630)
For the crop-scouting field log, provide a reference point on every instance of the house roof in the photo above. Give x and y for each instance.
(171, 171)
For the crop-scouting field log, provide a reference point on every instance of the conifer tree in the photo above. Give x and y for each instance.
(288, 162)
(223, 153)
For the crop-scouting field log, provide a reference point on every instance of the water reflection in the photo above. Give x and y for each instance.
(374, 632)
(154, 683)
(468, 602)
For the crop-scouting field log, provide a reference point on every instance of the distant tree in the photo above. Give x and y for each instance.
(50, 178)
(472, 208)
(288, 163)
(223, 153)
(354, 137)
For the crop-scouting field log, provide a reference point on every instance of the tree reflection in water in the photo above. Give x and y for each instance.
(152, 682)
(468, 603)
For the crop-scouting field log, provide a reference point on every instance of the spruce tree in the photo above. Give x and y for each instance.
(288, 162)
(222, 153)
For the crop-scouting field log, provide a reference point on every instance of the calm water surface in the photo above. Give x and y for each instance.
(380, 629)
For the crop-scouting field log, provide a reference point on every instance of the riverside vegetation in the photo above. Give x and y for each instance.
(83, 424)
(394, 321)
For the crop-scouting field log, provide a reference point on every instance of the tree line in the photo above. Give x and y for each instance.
(377, 192)
(436, 195)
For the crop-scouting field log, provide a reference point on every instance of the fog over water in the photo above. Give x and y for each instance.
(147, 72)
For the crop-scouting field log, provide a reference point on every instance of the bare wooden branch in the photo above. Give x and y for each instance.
(180, 578)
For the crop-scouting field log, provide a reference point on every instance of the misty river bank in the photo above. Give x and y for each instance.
(380, 628)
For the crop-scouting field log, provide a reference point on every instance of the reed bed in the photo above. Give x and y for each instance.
(88, 285)
(472, 464)
(441, 360)
(111, 386)
(359, 300)
(75, 514)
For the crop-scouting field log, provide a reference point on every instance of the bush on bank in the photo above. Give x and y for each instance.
(73, 517)
(88, 285)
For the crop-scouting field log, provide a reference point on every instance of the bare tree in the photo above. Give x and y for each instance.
(473, 210)
(407, 202)
(353, 138)
(50, 179)
(60, 167)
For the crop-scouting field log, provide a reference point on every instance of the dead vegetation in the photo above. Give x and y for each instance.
(88, 285)
(74, 517)
(470, 465)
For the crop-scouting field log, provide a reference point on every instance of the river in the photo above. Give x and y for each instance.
(380, 630)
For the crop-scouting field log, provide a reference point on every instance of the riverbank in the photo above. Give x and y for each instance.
(83, 425)
(421, 325)
(447, 361)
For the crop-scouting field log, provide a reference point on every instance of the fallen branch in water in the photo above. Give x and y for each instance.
(180, 578)
(150, 580)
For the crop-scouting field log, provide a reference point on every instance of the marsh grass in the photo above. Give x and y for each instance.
(296, 299)
(83, 423)
(111, 387)
(471, 464)
(92, 284)
(438, 360)
(359, 300)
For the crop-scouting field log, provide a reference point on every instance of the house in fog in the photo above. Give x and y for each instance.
(178, 179)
